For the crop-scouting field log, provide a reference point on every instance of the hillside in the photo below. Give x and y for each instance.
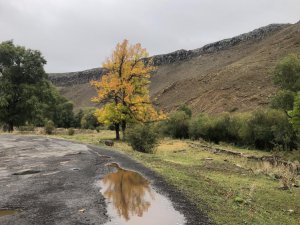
(230, 75)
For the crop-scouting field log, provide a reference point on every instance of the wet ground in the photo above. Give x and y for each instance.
(49, 181)
(131, 200)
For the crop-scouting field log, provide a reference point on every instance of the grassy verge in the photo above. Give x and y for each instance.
(231, 189)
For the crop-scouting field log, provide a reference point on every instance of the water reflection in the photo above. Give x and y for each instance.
(7, 212)
(128, 191)
(131, 200)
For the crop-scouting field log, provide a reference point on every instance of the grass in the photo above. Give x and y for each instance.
(231, 189)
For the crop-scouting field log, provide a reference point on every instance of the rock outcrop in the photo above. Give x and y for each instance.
(182, 54)
(73, 78)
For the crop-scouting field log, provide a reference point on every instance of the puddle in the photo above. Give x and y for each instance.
(7, 212)
(26, 172)
(51, 173)
(64, 162)
(132, 201)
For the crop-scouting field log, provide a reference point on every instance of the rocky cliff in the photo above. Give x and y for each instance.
(73, 78)
(255, 35)
(81, 77)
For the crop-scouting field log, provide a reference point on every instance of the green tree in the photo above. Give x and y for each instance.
(267, 129)
(89, 120)
(295, 113)
(77, 118)
(284, 99)
(23, 84)
(287, 73)
(55, 108)
(177, 125)
(61, 110)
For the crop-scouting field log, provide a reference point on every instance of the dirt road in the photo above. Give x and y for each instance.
(47, 181)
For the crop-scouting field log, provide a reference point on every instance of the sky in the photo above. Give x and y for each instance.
(75, 35)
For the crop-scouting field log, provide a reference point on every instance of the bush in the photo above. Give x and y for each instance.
(26, 128)
(71, 131)
(142, 138)
(216, 129)
(264, 129)
(186, 110)
(177, 125)
(89, 120)
(98, 129)
(284, 100)
(49, 127)
(111, 127)
(267, 129)
(199, 126)
(77, 119)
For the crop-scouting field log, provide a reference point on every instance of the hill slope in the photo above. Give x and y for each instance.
(230, 75)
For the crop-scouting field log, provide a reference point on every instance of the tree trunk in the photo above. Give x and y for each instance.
(117, 129)
(123, 125)
(10, 127)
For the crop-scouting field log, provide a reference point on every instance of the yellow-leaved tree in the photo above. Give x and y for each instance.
(124, 89)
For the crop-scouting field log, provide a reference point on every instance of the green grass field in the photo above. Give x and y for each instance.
(231, 189)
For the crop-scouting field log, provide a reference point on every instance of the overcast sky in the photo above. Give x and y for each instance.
(79, 34)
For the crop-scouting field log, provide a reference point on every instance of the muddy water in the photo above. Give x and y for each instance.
(131, 201)
(7, 212)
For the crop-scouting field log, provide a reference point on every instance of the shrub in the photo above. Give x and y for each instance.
(98, 129)
(283, 99)
(77, 119)
(210, 128)
(49, 127)
(177, 125)
(111, 127)
(26, 128)
(267, 129)
(142, 138)
(71, 131)
(89, 120)
(186, 109)
(264, 129)
(198, 127)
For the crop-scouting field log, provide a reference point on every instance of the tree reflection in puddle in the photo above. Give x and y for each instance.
(7, 212)
(131, 200)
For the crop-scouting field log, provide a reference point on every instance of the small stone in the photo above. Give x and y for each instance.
(81, 210)
(109, 143)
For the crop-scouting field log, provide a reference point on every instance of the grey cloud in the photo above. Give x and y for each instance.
(79, 34)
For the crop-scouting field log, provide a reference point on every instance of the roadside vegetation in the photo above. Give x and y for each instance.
(230, 188)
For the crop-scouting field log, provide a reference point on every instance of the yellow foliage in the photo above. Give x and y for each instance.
(124, 89)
